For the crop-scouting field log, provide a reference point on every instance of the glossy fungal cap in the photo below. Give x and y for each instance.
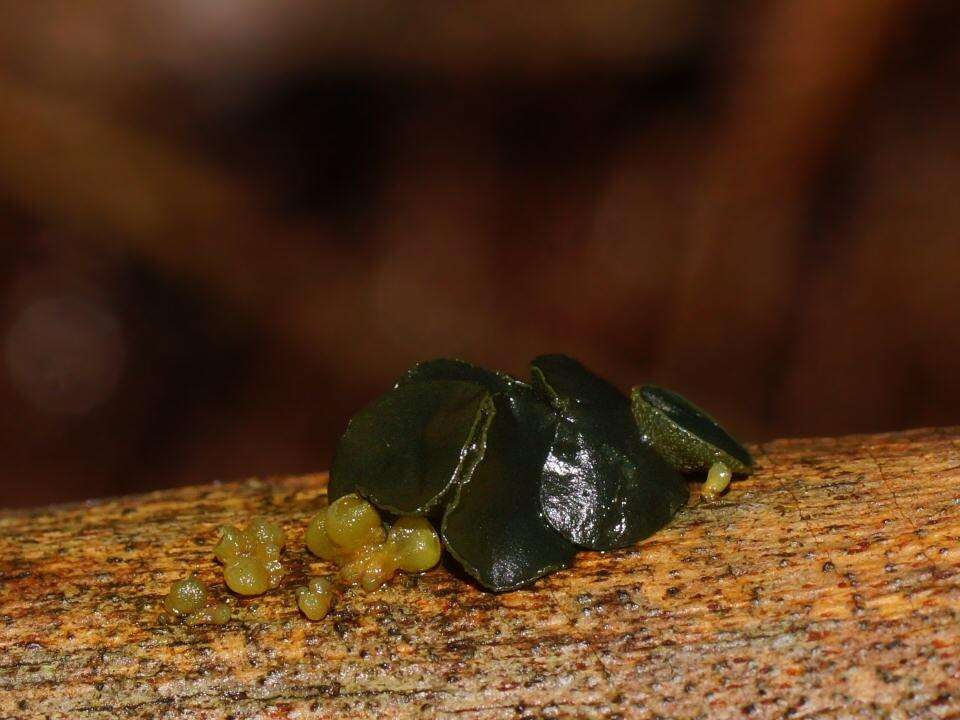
(494, 525)
(570, 385)
(685, 435)
(605, 496)
(403, 452)
(602, 488)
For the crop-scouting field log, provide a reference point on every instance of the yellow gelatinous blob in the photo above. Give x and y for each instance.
(417, 544)
(352, 569)
(233, 543)
(274, 572)
(718, 479)
(220, 613)
(251, 557)
(381, 565)
(316, 599)
(247, 576)
(350, 533)
(320, 585)
(186, 596)
(371, 567)
(351, 522)
(318, 541)
(265, 532)
(266, 552)
(217, 614)
(350, 572)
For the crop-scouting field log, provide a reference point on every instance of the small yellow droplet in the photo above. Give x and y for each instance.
(186, 596)
(318, 541)
(218, 614)
(417, 544)
(718, 480)
(247, 576)
(351, 520)
(233, 543)
(266, 533)
(315, 600)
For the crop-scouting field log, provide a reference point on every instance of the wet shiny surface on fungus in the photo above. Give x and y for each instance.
(251, 557)
(190, 599)
(186, 596)
(494, 526)
(602, 487)
(350, 533)
(686, 436)
(404, 450)
(718, 480)
(416, 544)
(316, 598)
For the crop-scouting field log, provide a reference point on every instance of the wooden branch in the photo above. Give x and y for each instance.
(826, 585)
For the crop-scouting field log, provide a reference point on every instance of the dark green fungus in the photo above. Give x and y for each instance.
(602, 487)
(405, 450)
(685, 435)
(523, 474)
(494, 525)
(451, 369)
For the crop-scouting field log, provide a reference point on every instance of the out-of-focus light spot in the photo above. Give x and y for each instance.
(64, 354)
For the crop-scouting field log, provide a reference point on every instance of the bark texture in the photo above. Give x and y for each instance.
(827, 585)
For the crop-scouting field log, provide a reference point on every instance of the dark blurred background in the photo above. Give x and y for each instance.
(226, 224)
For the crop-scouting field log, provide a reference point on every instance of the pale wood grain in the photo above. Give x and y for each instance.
(827, 585)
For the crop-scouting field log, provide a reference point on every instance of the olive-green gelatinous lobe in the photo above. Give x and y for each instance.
(602, 487)
(404, 451)
(686, 436)
(494, 525)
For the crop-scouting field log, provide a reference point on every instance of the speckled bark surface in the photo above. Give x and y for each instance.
(827, 585)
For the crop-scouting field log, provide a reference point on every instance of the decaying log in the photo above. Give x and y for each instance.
(827, 585)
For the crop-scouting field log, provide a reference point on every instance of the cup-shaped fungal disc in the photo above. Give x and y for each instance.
(404, 451)
(602, 488)
(685, 435)
(494, 525)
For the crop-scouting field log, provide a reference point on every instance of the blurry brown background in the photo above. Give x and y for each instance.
(226, 224)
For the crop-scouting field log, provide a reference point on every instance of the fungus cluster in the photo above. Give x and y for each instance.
(350, 533)
(523, 475)
(518, 476)
(251, 557)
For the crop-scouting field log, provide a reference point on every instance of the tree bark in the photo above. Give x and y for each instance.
(827, 585)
